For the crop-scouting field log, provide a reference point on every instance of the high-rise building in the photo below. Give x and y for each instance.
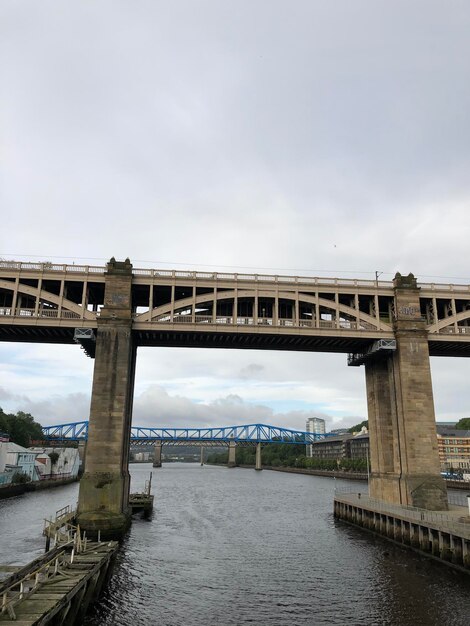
(314, 425)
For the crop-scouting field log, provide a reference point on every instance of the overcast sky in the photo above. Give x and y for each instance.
(322, 138)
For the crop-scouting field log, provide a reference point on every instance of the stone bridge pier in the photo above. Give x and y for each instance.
(104, 488)
(232, 458)
(157, 454)
(404, 459)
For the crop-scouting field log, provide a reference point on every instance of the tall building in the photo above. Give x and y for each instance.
(314, 425)
(454, 448)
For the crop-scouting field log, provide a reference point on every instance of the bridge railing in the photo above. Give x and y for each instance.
(225, 276)
(50, 313)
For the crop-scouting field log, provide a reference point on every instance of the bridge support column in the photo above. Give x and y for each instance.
(157, 454)
(82, 456)
(258, 457)
(104, 489)
(405, 465)
(202, 456)
(232, 461)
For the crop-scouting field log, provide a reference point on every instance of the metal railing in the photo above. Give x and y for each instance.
(412, 513)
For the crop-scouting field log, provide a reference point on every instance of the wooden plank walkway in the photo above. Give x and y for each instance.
(65, 595)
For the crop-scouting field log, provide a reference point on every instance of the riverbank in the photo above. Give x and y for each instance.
(10, 491)
(312, 472)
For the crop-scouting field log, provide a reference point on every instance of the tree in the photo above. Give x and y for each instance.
(358, 427)
(21, 427)
(463, 424)
(54, 457)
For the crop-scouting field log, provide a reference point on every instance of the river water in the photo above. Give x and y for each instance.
(234, 546)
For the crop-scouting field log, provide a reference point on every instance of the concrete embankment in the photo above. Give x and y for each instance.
(443, 535)
(9, 491)
(313, 472)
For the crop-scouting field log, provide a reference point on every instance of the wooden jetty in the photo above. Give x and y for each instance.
(142, 502)
(58, 587)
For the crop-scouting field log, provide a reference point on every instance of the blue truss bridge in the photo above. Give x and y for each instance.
(248, 433)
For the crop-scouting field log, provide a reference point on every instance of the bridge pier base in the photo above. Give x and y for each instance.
(232, 460)
(258, 457)
(103, 504)
(405, 467)
(157, 454)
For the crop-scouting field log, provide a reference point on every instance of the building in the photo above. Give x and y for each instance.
(359, 446)
(341, 447)
(314, 425)
(454, 448)
(5, 476)
(331, 448)
(56, 463)
(19, 459)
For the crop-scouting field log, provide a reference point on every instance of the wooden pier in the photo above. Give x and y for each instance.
(58, 587)
(142, 502)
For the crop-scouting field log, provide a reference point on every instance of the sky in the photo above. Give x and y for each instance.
(306, 137)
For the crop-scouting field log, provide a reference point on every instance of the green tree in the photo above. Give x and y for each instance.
(21, 427)
(357, 427)
(463, 424)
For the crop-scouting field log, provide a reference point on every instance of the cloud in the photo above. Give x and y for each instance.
(325, 141)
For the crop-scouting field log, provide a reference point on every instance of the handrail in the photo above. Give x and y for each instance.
(225, 276)
(24, 587)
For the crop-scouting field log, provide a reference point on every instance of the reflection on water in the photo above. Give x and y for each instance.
(234, 547)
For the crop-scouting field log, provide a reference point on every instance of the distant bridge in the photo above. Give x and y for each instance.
(248, 433)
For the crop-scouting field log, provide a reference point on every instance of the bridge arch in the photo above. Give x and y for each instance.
(47, 297)
(450, 321)
(350, 312)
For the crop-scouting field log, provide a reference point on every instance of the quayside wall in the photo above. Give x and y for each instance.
(444, 536)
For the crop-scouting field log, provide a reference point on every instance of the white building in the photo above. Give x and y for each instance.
(20, 459)
(314, 425)
(66, 462)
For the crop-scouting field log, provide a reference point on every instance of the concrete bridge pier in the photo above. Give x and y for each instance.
(258, 465)
(202, 456)
(157, 454)
(103, 503)
(82, 455)
(232, 447)
(405, 467)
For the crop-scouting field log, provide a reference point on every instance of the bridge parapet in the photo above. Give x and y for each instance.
(47, 301)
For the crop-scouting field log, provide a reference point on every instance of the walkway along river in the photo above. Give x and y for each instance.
(235, 547)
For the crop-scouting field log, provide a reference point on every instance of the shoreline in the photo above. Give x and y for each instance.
(10, 491)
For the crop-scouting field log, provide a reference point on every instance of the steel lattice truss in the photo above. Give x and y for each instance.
(254, 433)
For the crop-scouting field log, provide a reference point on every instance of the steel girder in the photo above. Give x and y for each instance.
(254, 433)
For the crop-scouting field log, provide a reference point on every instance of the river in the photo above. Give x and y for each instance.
(234, 547)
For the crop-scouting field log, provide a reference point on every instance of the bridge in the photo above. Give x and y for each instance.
(231, 436)
(248, 433)
(47, 302)
(392, 328)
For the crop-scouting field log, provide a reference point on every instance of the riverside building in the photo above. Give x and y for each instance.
(314, 425)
